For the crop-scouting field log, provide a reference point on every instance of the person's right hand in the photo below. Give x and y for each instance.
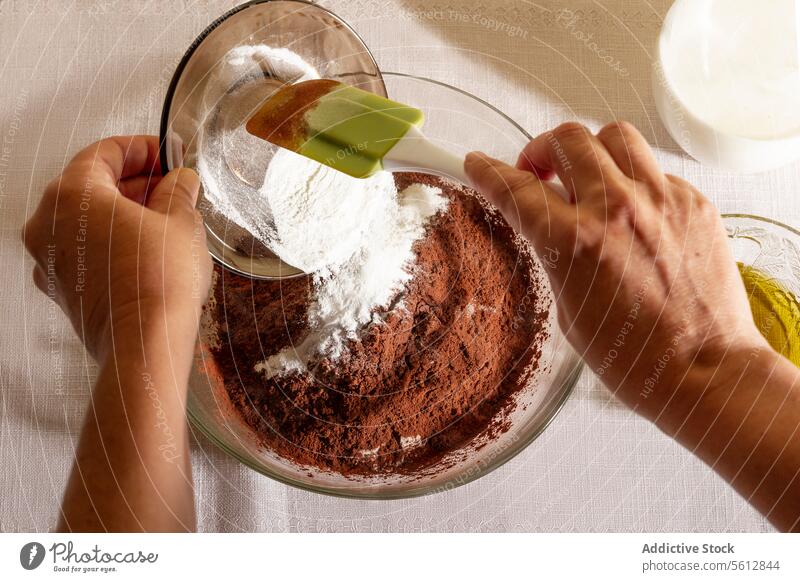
(645, 282)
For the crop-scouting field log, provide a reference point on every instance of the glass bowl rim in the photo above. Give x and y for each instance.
(556, 404)
(754, 217)
(187, 56)
(509, 453)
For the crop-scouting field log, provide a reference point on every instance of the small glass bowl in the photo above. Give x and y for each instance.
(462, 122)
(695, 134)
(208, 96)
(768, 246)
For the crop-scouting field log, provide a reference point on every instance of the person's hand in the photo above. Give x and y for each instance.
(645, 282)
(123, 252)
(116, 245)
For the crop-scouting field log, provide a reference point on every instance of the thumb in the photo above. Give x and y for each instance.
(528, 204)
(176, 192)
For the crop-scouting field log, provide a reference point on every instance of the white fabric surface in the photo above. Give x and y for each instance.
(73, 71)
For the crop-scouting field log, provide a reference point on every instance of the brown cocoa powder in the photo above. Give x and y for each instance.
(439, 371)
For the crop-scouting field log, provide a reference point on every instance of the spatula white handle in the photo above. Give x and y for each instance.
(415, 153)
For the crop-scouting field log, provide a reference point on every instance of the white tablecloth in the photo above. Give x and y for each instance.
(73, 71)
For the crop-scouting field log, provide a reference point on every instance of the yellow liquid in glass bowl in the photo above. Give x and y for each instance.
(776, 312)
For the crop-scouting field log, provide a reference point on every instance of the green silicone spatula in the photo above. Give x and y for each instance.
(351, 130)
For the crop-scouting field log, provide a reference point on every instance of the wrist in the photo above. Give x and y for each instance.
(673, 379)
(710, 382)
(147, 332)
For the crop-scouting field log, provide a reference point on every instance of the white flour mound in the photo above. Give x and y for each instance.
(361, 240)
(321, 216)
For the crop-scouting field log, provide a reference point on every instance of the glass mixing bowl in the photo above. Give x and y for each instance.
(768, 246)
(234, 65)
(462, 122)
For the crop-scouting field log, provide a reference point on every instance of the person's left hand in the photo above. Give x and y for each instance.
(117, 246)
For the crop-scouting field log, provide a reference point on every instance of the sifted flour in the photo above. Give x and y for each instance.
(320, 215)
(357, 234)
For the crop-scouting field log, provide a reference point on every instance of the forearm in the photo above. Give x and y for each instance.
(746, 425)
(132, 470)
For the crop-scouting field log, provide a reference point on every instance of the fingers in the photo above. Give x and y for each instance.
(116, 158)
(630, 151)
(137, 188)
(529, 205)
(524, 164)
(576, 156)
(177, 192)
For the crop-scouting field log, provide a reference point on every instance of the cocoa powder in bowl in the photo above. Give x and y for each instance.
(438, 370)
